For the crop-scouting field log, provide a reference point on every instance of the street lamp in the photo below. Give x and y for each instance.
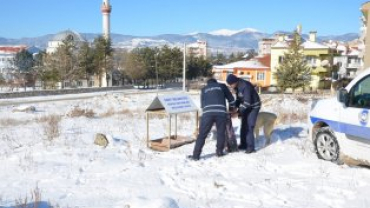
(156, 69)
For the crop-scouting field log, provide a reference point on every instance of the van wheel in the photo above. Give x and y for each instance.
(326, 145)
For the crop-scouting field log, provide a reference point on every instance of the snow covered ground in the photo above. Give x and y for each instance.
(70, 171)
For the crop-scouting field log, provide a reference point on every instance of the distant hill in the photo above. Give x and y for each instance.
(345, 37)
(222, 41)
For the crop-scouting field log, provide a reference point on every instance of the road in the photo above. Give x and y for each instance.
(80, 96)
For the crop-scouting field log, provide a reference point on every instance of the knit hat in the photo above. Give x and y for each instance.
(231, 79)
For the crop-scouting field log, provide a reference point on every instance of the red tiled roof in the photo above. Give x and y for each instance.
(265, 60)
(11, 49)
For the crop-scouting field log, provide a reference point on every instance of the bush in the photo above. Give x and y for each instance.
(78, 112)
(51, 126)
(34, 201)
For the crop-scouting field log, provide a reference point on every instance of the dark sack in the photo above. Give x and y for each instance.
(231, 144)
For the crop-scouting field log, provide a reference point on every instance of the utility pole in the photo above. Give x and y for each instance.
(156, 69)
(184, 70)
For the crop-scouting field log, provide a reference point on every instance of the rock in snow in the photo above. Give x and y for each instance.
(27, 109)
(101, 140)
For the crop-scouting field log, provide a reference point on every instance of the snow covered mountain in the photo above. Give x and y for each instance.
(222, 41)
(227, 32)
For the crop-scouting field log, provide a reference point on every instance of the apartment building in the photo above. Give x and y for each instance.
(7, 55)
(318, 57)
(198, 49)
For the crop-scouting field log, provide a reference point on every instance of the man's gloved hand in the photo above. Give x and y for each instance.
(242, 109)
(237, 103)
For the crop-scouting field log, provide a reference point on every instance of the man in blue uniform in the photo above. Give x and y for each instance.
(213, 104)
(249, 106)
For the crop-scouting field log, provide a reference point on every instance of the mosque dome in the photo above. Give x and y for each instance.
(68, 34)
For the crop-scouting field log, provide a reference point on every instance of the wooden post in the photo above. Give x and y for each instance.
(147, 129)
(169, 131)
(175, 126)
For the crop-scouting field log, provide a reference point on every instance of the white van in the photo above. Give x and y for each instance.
(340, 127)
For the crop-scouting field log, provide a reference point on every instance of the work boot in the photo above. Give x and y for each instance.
(242, 147)
(249, 151)
(192, 157)
(220, 153)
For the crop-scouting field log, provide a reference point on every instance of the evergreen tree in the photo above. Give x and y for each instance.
(103, 61)
(50, 77)
(240, 56)
(204, 66)
(49, 70)
(85, 61)
(192, 69)
(198, 67)
(38, 62)
(120, 58)
(170, 62)
(134, 65)
(293, 71)
(232, 58)
(148, 58)
(61, 65)
(219, 59)
(23, 60)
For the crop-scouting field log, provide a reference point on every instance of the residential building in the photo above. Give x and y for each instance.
(318, 57)
(264, 46)
(256, 70)
(7, 55)
(348, 60)
(197, 49)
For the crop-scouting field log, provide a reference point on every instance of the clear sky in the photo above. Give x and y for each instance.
(30, 18)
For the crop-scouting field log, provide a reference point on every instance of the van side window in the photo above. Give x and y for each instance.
(360, 94)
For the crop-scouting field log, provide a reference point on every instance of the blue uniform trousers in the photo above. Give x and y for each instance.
(248, 121)
(206, 124)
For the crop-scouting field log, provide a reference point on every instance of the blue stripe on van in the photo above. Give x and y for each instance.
(350, 129)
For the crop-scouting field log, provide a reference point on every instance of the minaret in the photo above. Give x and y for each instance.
(106, 9)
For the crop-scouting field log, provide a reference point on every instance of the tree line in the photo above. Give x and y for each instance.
(73, 61)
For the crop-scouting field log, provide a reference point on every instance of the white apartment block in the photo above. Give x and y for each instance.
(197, 49)
(264, 46)
(7, 55)
(349, 61)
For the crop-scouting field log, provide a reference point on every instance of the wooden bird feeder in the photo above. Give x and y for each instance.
(169, 106)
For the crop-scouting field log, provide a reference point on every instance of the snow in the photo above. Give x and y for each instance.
(139, 42)
(314, 45)
(70, 171)
(280, 44)
(254, 64)
(306, 45)
(228, 32)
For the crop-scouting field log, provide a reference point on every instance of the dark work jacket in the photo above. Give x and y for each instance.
(247, 96)
(213, 96)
